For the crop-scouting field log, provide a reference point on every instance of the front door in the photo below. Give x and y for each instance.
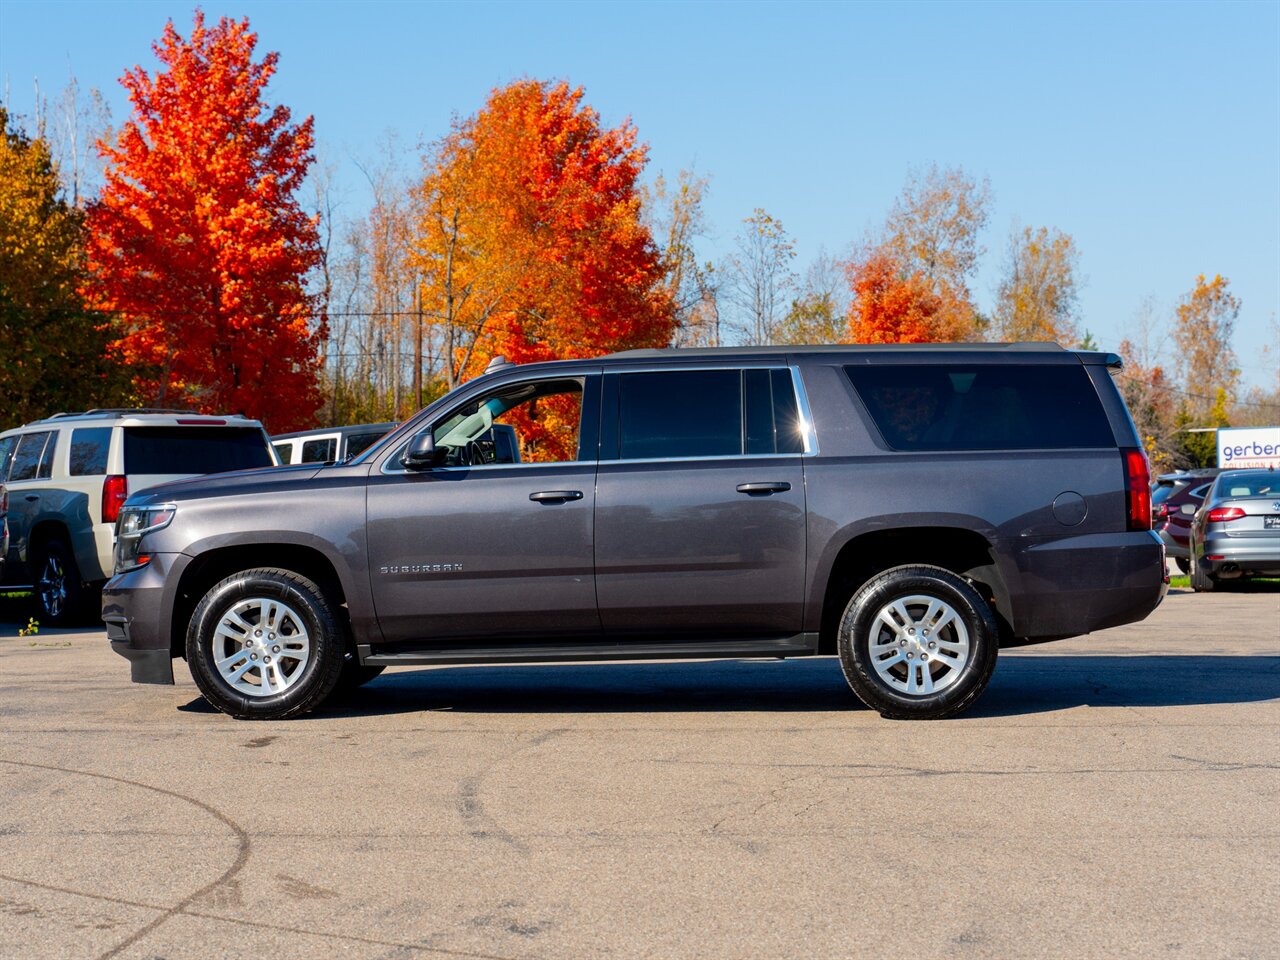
(700, 506)
(496, 543)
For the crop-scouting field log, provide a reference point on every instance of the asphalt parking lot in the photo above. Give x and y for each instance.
(1110, 796)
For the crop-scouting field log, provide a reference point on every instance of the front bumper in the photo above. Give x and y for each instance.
(136, 607)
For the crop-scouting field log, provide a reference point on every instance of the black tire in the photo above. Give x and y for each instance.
(1183, 564)
(62, 599)
(860, 666)
(309, 681)
(355, 675)
(1201, 582)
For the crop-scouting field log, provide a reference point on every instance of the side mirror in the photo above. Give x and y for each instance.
(1188, 509)
(421, 453)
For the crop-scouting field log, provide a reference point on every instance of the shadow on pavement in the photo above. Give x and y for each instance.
(1021, 685)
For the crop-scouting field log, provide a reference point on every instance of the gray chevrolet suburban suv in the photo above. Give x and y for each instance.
(909, 509)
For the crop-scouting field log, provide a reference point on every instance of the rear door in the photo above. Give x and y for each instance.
(700, 505)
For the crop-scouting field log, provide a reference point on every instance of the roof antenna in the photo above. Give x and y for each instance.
(497, 363)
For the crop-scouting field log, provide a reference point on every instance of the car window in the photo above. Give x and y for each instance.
(983, 406)
(45, 470)
(194, 450)
(536, 421)
(319, 450)
(1164, 492)
(1199, 492)
(1249, 485)
(26, 458)
(6, 451)
(681, 413)
(358, 443)
(771, 415)
(284, 451)
(89, 448)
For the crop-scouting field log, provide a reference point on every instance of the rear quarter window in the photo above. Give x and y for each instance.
(983, 406)
(194, 450)
(89, 448)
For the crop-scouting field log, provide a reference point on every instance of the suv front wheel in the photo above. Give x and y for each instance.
(264, 644)
(918, 643)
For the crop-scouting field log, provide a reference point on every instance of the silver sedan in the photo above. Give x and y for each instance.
(1236, 532)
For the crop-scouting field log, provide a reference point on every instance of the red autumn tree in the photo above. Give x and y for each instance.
(531, 242)
(890, 305)
(198, 243)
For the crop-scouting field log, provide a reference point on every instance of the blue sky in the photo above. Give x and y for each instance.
(1150, 132)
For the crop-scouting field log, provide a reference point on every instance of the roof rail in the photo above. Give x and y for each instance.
(133, 411)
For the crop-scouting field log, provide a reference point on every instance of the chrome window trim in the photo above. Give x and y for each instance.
(808, 434)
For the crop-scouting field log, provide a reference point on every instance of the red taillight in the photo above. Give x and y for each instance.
(1138, 490)
(115, 491)
(1161, 511)
(1224, 514)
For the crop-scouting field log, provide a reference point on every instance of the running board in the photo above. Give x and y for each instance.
(801, 645)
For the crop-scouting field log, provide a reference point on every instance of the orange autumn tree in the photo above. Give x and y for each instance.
(890, 305)
(198, 243)
(531, 242)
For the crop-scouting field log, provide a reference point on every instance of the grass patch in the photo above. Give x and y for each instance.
(1182, 582)
(15, 594)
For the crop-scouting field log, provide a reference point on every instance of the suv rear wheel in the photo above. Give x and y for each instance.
(264, 644)
(918, 643)
(60, 594)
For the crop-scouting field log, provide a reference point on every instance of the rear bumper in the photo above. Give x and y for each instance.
(1072, 586)
(1240, 555)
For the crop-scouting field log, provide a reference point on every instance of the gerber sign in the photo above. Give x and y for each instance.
(1249, 447)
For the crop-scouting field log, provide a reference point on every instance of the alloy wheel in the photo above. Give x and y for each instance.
(261, 647)
(918, 645)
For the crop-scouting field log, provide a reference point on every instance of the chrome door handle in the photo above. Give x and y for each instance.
(555, 496)
(776, 486)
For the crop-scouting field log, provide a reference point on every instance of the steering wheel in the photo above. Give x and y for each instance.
(473, 454)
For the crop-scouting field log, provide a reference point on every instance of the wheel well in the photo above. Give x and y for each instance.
(215, 565)
(42, 533)
(963, 552)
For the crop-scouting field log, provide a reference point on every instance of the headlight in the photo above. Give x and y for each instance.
(135, 523)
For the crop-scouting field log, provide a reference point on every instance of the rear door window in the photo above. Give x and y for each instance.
(983, 406)
(685, 413)
(194, 450)
(284, 451)
(319, 450)
(89, 448)
(27, 456)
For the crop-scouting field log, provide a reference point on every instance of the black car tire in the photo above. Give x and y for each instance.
(1201, 582)
(971, 611)
(61, 596)
(1183, 564)
(325, 636)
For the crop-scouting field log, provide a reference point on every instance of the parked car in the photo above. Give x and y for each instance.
(907, 508)
(323, 446)
(63, 480)
(1174, 500)
(1236, 532)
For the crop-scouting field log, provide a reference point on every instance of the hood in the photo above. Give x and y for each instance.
(224, 484)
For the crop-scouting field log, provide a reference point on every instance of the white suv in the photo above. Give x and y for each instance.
(63, 479)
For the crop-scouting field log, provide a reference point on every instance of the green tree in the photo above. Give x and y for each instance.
(52, 350)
